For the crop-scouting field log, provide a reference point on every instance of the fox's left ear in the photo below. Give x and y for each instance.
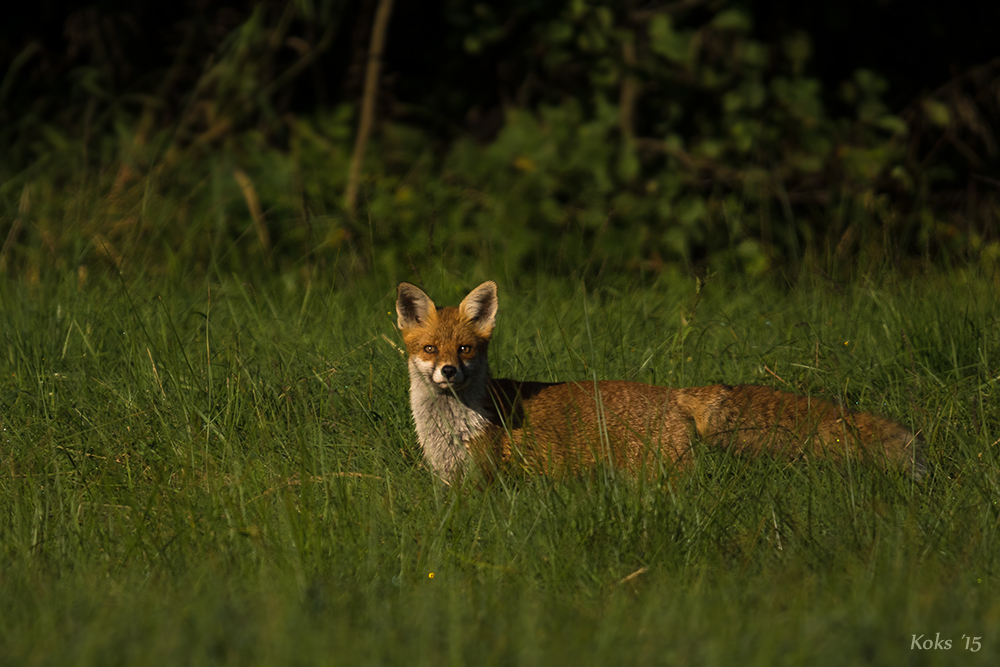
(480, 307)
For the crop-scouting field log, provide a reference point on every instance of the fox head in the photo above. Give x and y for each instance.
(447, 347)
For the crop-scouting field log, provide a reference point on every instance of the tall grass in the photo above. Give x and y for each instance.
(227, 473)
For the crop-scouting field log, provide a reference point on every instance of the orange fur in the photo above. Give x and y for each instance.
(464, 417)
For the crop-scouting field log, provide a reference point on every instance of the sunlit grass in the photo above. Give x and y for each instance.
(227, 473)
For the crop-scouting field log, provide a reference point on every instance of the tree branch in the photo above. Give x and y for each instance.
(379, 27)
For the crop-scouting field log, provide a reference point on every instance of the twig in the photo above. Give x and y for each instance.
(382, 15)
(156, 374)
(780, 379)
(394, 346)
(22, 213)
(641, 570)
(15, 229)
(629, 92)
(256, 211)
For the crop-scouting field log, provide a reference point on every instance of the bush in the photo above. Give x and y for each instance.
(644, 140)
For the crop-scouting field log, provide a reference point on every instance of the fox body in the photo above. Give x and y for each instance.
(465, 418)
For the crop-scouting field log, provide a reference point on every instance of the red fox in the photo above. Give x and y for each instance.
(467, 419)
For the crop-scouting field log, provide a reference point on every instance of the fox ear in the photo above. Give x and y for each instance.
(413, 307)
(480, 307)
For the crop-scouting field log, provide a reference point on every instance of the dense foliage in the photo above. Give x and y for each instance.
(557, 134)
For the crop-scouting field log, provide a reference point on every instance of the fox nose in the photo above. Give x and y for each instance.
(448, 371)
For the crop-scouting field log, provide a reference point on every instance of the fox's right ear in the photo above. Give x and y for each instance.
(413, 307)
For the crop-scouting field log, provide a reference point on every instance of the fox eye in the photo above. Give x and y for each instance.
(430, 349)
(464, 349)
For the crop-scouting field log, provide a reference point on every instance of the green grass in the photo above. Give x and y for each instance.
(227, 473)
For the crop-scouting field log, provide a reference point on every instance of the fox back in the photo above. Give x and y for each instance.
(466, 418)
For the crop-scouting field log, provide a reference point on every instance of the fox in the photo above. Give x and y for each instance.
(467, 421)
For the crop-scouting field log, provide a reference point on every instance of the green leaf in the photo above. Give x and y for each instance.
(628, 163)
(753, 53)
(869, 82)
(710, 148)
(893, 124)
(733, 20)
(798, 48)
(901, 176)
(667, 42)
(936, 112)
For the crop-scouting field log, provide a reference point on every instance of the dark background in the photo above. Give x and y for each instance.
(501, 130)
(916, 44)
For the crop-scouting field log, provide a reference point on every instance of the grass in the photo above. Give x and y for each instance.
(227, 474)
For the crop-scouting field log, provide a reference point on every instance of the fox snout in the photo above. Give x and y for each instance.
(449, 376)
(444, 371)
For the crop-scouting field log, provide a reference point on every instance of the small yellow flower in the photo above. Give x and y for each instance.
(430, 576)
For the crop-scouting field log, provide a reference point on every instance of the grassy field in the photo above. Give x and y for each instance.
(226, 473)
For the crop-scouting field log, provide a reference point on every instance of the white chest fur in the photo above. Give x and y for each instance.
(445, 423)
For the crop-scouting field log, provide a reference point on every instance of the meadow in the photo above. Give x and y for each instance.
(220, 471)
